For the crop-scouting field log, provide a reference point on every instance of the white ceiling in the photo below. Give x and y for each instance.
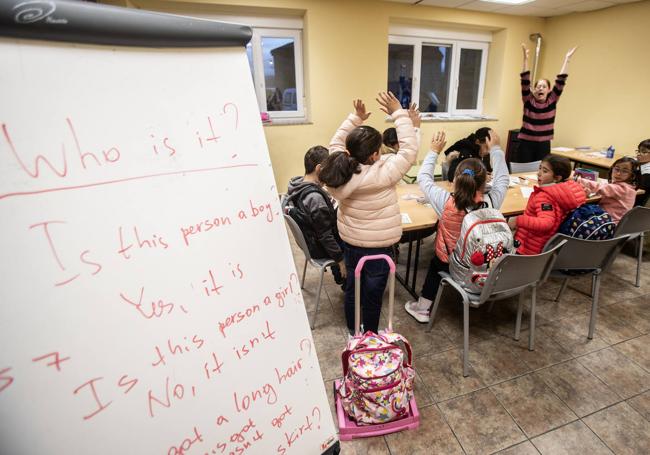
(539, 8)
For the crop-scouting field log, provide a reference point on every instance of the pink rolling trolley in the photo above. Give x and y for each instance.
(375, 396)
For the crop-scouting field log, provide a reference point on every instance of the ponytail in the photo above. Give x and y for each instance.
(338, 169)
(469, 178)
(362, 142)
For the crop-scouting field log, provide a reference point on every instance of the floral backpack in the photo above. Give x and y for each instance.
(378, 378)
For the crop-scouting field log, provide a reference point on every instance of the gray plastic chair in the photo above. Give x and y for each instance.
(511, 276)
(593, 256)
(635, 223)
(320, 264)
(533, 166)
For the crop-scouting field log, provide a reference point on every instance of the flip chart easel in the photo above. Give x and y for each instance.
(149, 299)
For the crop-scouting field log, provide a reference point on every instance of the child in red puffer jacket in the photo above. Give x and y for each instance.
(548, 206)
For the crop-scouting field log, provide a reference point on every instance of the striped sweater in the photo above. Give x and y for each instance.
(539, 117)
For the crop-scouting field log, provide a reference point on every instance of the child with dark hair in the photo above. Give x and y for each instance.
(369, 219)
(549, 204)
(643, 157)
(473, 146)
(540, 105)
(389, 136)
(617, 196)
(320, 232)
(451, 208)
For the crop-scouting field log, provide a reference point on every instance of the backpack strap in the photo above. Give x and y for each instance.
(298, 199)
(393, 338)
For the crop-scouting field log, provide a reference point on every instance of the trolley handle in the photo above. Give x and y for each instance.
(357, 290)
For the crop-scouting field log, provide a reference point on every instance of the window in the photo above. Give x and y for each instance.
(275, 59)
(442, 75)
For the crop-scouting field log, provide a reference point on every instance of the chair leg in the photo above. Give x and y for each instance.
(639, 261)
(594, 305)
(562, 289)
(304, 274)
(320, 287)
(520, 310)
(531, 333)
(432, 315)
(465, 338)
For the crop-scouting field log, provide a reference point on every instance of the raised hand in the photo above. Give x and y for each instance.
(570, 53)
(414, 114)
(438, 141)
(526, 55)
(492, 139)
(388, 102)
(360, 110)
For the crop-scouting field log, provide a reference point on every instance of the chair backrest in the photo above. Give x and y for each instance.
(579, 254)
(533, 166)
(512, 146)
(517, 272)
(297, 235)
(635, 221)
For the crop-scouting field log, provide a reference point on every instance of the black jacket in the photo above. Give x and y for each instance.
(321, 234)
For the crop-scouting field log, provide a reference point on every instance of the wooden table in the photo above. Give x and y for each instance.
(424, 218)
(585, 157)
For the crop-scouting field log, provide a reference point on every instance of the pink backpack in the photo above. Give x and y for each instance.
(378, 378)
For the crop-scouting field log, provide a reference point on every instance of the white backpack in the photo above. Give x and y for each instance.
(484, 238)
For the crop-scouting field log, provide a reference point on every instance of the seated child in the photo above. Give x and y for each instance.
(321, 235)
(619, 194)
(451, 208)
(643, 156)
(389, 137)
(552, 200)
(473, 146)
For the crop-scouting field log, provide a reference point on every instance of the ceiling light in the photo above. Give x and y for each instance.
(508, 2)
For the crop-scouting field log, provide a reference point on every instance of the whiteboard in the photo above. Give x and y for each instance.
(149, 299)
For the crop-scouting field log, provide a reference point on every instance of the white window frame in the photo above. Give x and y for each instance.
(456, 44)
(258, 71)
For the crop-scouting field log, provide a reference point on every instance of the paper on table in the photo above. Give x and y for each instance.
(526, 191)
(406, 219)
(561, 149)
(513, 181)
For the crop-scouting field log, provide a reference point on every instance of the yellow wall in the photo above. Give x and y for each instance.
(346, 56)
(345, 51)
(607, 98)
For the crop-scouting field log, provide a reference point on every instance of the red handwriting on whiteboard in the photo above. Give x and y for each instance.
(211, 136)
(292, 370)
(90, 265)
(159, 308)
(240, 441)
(186, 444)
(99, 405)
(210, 285)
(255, 210)
(166, 148)
(107, 156)
(265, 335)
(264, 393)
(56, 362)
(232, 110)
(174, 348)
(213, 366)
(279, 420)
(237, 317)
(204, 226)
(128, 383)
(292, 437)
(130, 238)
(5, 379)
(176, 391)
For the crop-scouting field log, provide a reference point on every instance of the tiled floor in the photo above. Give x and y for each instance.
(571, 395)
